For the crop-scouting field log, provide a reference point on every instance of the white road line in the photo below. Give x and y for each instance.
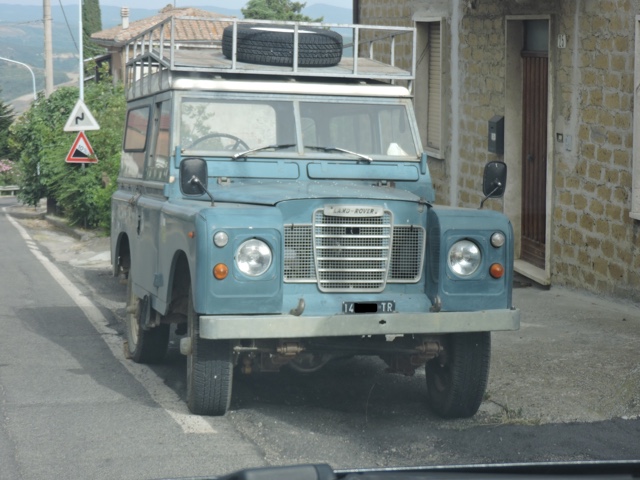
(153, 384)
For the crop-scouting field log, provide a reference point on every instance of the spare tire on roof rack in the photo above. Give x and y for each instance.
(266, 44)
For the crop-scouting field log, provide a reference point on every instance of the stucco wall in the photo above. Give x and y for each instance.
(594, 243)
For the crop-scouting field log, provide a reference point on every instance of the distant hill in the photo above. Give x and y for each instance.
(22, 39)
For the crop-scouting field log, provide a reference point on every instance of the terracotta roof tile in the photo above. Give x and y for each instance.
(185, 29)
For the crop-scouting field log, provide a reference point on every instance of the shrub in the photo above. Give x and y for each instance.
(8, 174)
(40, 146)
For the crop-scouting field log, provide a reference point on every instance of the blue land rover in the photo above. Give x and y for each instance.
(274, 204)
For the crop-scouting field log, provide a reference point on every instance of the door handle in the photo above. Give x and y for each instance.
(133, 201)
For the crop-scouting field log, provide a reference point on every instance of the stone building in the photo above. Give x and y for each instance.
(189, 30)
(563, 77)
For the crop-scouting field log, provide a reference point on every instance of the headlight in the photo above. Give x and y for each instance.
(498, 239)
(220, 239)
(464, 258)
(253, 257)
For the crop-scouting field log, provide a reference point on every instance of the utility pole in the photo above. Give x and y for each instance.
(80, 53)
(48, 49)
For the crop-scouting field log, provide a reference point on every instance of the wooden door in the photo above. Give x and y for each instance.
(534, 156)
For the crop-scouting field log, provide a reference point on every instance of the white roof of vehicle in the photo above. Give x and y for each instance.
(292, 87)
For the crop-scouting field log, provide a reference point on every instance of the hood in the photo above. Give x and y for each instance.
(272, 193)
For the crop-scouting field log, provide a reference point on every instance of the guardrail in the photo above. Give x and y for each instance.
(12, 189)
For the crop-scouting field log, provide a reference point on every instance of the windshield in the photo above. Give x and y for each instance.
(314, 127)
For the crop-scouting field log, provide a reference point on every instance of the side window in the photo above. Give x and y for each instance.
(158, 163)
(135, 142)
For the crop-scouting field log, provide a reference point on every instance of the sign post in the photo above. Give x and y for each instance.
(81, 151)
(81, 119)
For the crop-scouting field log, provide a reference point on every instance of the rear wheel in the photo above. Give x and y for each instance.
(209, 370)
(143, 346)
(457, 379)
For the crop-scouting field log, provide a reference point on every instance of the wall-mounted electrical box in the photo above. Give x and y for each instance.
(496, 135)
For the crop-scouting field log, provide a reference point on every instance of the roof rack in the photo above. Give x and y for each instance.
(153, 55)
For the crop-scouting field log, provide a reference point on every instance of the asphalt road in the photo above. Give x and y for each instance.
(68, 406)
(71, 405)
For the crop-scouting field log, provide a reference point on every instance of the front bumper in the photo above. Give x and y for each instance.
(237, 327)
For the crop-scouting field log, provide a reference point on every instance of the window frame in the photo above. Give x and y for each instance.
(430, 86)
(297, 100)
(151, 159)
(126, 129)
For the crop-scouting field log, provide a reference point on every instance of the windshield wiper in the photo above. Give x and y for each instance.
(258, 149)
(343, 150)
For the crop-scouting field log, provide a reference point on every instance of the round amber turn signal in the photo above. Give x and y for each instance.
(220, 271)
(496, 270)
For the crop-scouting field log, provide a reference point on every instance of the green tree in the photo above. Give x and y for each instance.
(91, 23)
(277, 10)
(6, 119)
(39, 143)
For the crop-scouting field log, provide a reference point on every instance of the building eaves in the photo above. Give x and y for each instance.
(185, 28)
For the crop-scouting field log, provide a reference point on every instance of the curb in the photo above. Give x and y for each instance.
(25, 214)
(32, 213)
(62, 224)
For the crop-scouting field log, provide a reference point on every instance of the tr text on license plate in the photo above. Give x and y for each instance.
(369, 307)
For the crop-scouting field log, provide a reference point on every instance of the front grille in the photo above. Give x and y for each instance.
(299, 265)
(407, 254)
(353, 254)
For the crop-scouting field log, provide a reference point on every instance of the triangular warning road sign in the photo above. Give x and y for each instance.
(81, 151)
(81, 119)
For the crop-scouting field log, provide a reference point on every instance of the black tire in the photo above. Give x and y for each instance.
(209, 371)
(143, 346)
(273, 45)
(457, 379)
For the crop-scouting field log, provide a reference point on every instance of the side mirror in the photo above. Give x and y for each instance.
(494, 181)
(193, 176)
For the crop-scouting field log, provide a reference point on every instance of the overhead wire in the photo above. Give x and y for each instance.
(69, 27)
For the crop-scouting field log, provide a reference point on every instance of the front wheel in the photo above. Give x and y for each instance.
(457, 378)
(143, 346)
(209, 370)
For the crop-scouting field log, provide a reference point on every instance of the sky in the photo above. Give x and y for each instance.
(158, 4)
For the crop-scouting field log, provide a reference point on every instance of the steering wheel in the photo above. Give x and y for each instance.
(238, 145)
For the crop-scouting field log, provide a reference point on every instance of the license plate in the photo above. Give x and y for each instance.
(368, 307)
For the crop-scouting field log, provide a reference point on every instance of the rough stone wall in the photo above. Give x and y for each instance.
(482, 61)
(397, 14)
(386, 13)
(595, 245)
